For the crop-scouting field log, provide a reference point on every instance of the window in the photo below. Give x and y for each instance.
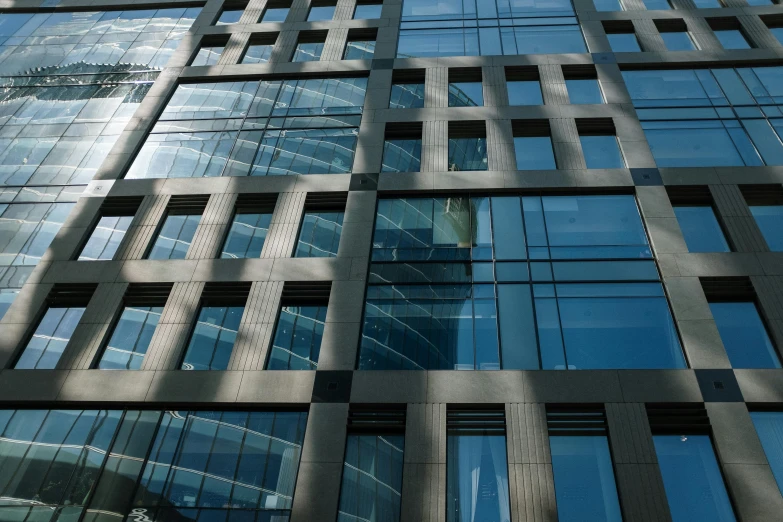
(276, 11)
(657, 5)
(372, 472)
(701, 229)
(465, 88)
(582, 84)
(297, 341)
(707, 4)
(259, 49)
(777, 32)
(402, 147)
(367, 11)
(209, 52)
(199, 464)
(599, 144)
(585, 488)
(321, 124)
(467, 145)
(27, 230)
(360, 44)
(709, 117)
(524, 86)
(769, 426)
(608, 5)
(476, 466)
(249, 227)
(105, 238)
(766, 207)
(309, 47)
(7, 296)
(320, 234)
(692, 479)
(449, 28)
(624, 42)
(213, 337)
(175, 236)
(131, 338)
(481, 282)
(321, 12)
(46, 346)
(230, 15)
(732, 39)
(407, 90)
(533, 145)
(675, 34)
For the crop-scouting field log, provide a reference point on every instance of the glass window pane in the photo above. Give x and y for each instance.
(320, 234)
(466, 94)
(608, 5)
(317, 13)
(208, 55)
(477, 478)
(525, 93)
(769, 426)
(46, 346)
(275, 14)
(692, 479)
(175, 237)
(401, 156)
(407, 96)
(297, 342)
(534, 153)
(246, 236)
(359, 50)
(732, 39)
(131, 338)
(769, 218)
(367, 11)
(744, 335)
(602, 152)
(701, 229)
(308, 52)
(585, 488)
(678, 41)
(258, 53)
(105, 238)
(230, 16)
(467, 154)
(624, 43)
(584, 92)
(213, 338)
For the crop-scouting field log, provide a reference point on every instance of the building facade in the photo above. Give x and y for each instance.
(391, 260)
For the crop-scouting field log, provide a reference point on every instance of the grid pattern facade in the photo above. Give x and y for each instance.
(338, 278)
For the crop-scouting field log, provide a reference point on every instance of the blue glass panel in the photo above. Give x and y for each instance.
(693, 144)
(769, 218)
(359, 50)
(275, 14)
(208, 55)
(624, 42)
(367, 11)
(534, 153)
(608, 5)
(701, 229)
(524, 93)
(477, 479)
(466, 94)
(707, 4)
(318, 13)
(678, 41)
(213, 338)
(467, 154)
(258, 53)
(584, 92)
(7, 296)
(175, 237)
(585, 488)
(766, 140)
(744, 335)
(320, 234)
(131, 338)
(692, 479)
(602, 152)
(230, 16)
(407, 96)
(46, 346)
(732, 39)
(297, 341)
(308, 52)
(656, 5)
(401, 156)
(777, 32)
(246, 236)
(517, 328)
(769, 426)
(105, 238)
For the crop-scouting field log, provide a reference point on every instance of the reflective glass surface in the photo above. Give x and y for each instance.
(230, 16)
(732, 39)
(656, 5)
(744, 335)
(466, 94)
(131, 338)
(692, 479)
(624, 43)
(246, 236)
(297, 341)
(255, 128)
(407, 96)
(467, 154)
(678, 41)
(275, 14)
(777, 32)
(477, 478)
(707, 4)
(105, 238)
(401, 156)
(7, 296)
(308, 52)
(27, 230)
(165, 466)
(208, 55)
(585, 488)
(175, 237)
(317, 13)
(608, 5)
(602, 152)
(701, 229)
(258, 53)
(584, 92)
(320, 234)
(359, 50)
(213, 338)
(525, 93)
(45, 347)
(769, 218)
(769, 426)
(534, 153)
(372, 478)
(367, 11)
